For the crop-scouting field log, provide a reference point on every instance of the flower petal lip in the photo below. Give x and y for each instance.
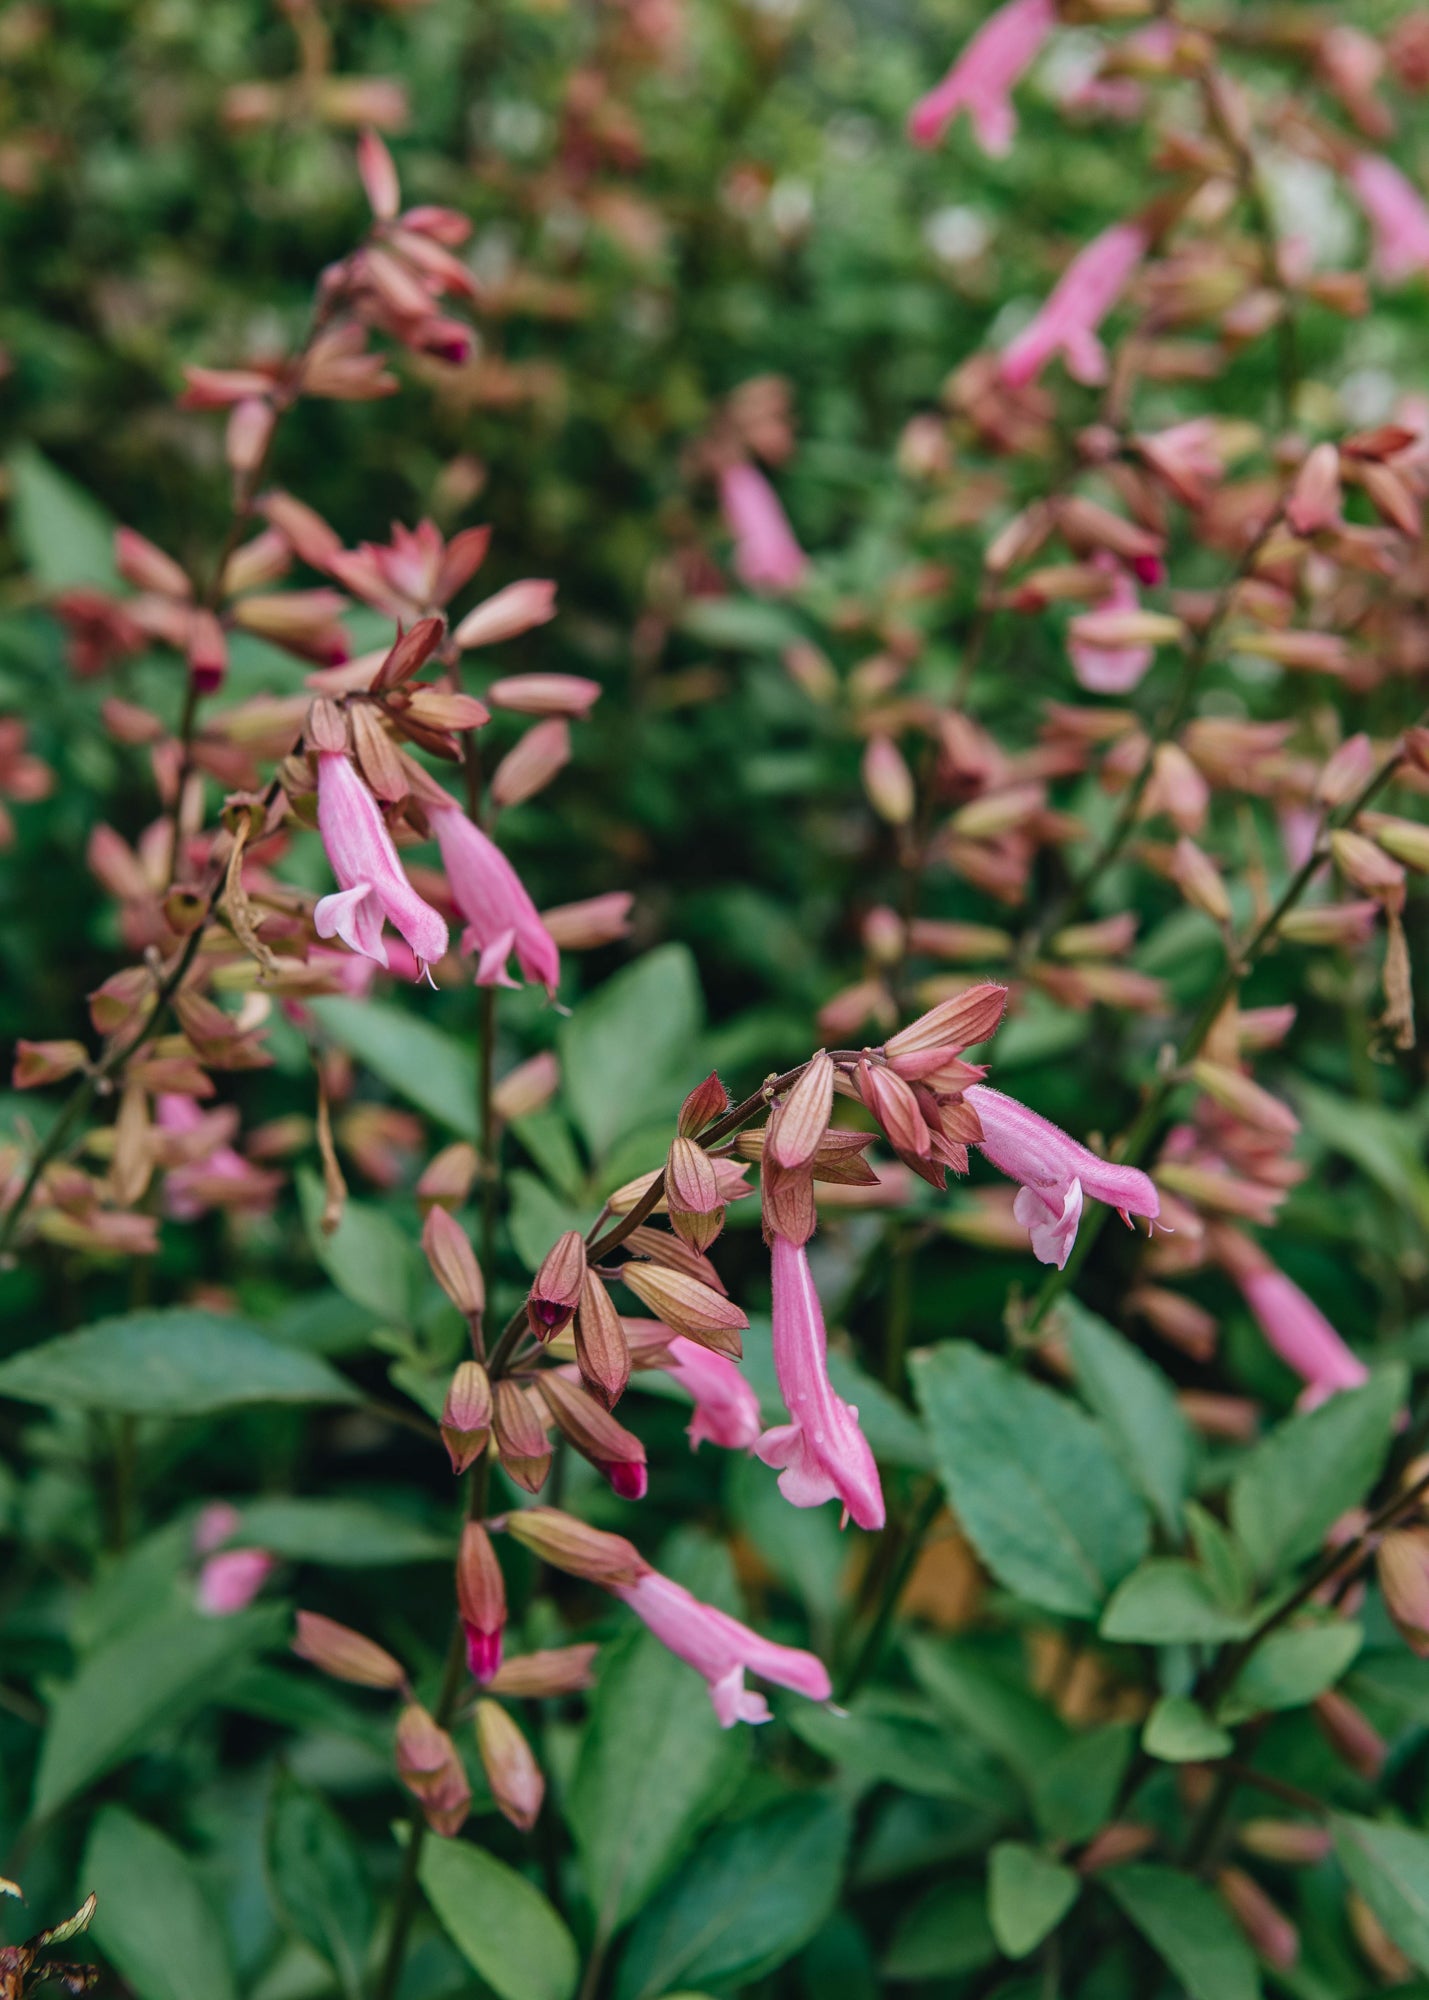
(721, 1649)
(372, 884)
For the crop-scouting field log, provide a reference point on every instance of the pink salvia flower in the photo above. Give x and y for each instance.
(1397, 216)
(500, 916)
(1293, 1325)
(1079, 302)
(980, 82)
(373, 888)
(767, 558)
(1055, 1173)
(722, 1649)
(1109, 669)
(824, 1454)
(230, 1579)
(726, 1407)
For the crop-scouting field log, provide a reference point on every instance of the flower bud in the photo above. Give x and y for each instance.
(511, 1771)
(521, 1441)
(602, 1354)
(207, 651)
(706, 1102)
(688, 1306)
(1352, 1736)
(537, 1676)
(556, 1289)
(570, 1546)
(1198, 879)
(1347, 925)
(1402, 1563)
(544, 694)
(529, 766)
(801, 1119)
(453, 1262)
(466, 1415)
(378, 176)
(1290, 1841)
(1314, 503)
(692, 1196)
(787, 1203)
(335, 1649)
(961, 1021)
(1246, 1100)
(1406, 839)
(1374, 1941)
(448, 1177)
(888, 781)
(1270, 1932)
(481, 1601)
(894, 1105)
(528, 1087)
(616, 1453)
(513, 610)
(139, 562)
(1368, 868)
(39, 1063)
(250, 427)
(1346, 772)
(428, 1765)
(589, 924)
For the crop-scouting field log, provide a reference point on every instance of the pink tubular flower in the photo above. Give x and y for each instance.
(1397, 216)
(229, 1579)
(1102, 669)
(824, 1454)
(500, 916)
(373, 889)
(1293, 1325)
(1055, 1173)
(1079, 302)
(726, 1407)
(721, 1649)
(203, 1170)
(766, 556)
(981, 80)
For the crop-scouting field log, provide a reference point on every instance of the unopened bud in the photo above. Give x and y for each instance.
(1314, 503)
(448, 1177)
(692, 1195)
(1368, 868)
(481, 1601)
(602, 1353)
(337, 1650)
(466, 1415)
(513, 610)
(1269, 1931)
(527, 1087)
(428, 1765)
(688, 1306)
(706, 1102)
(531, 764)
(556, 1289)
(139, 562)
(587, 925)
(521, 1441)
(453, 1262)
(1347, 771)
(1402, 1563)
(511, 1770)
(888, 781)
(1352, 1735)
(1293, 1842)
(1406, 839)
(616, 1453)
(1198, 879)
(801, 1118)
(378, 176)
(207, 652)
(250, 427)
(544, 694)
(537, 1676)
(1246, 1100)
(1348, 925)
(39, 1063)
(577, 1550)
(961, 1021)
(894, 1105)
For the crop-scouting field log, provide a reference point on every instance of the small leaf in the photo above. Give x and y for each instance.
(501, 1924)
(1138, 1406)
(1179, 1731)
(368, 1257)
(1228, 1569)
(1289, 1668)
(878, 1742)
(318, 1879)
(945, 1933)
(627, 1050)
(1074, 1793)
(1168, 1602)
(154, 1923)
(430, 1069)
(1190, 1927)
(1028, 1894)
(64, 535)
(1389, 1865)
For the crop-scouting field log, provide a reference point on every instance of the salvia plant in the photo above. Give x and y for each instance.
(574, 1425)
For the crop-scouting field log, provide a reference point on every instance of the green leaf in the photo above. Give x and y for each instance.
(653, 1764)
(750, 1896)
(174, 1363)
(740, 624)
(946, 1932)
(318, 1880)
(1311, 1468)
(1038, 1490)
(1288, 1669)
(1168, 1602)
(1383, 1143)
(539, 1214)
(154, 1923)
(1190, 1927)
(500, 1923)
(1015, 1724)
(142, 1684)
(1179, 1731)
(1028, 1894)
(1075, 1792)
(1389, 1865)
(628, 1051)
(352, 1534)
(429, 1068)
(1138, 1406)
(368, 1257)
(1227, 1567)
(64, 536)
(879, 1742)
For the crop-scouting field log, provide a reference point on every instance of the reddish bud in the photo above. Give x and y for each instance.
(139, 562)
(602, 1353)
(1269, 1930)
(453, 1262)
(536, 1676)
(1347, 771)
(481, 1601)
(527, 1087)
(511, 1771)
(449, 1176)
(428, 1765)
(706, 1102)
(520, 1434)
(466, 1415)
(896, 1108)
(335, 1649)
(39, 1063)
(1314, 503)
(588, 925)
(511, 611)
(556, 1289)
(961, 1021)
(688, 1306)
(801, 1118)
(530, 766)
(888, 781)
(570, 1546)
(614, 1451)
(545, 694)
(378, 176)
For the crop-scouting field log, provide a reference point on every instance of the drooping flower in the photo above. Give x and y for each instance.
(500, 916)
(980, 82)
(373, 888)
(726, 1407)
(1293, 1324)
(721, 1649)
(1055, 1173)
(1078, 303)
(1398, 217)
(823, 1453)
(766, 555)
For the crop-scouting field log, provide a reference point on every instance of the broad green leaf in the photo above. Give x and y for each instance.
(1014, 1723)
(628, 1052)
(1389, 1865)
(1190, 1927)
(353, 1534)
(430, 1068)
(318, 1879)
(945, 1933)
(1311, 1468)
(548, 1138)
(1034, 1482)
(1289, 1668)
(140, 1686)
(880, 1742)
(1138, 1406)
(1228, 1569)
(1168, 1602)
(539, 1214)
(153, 1922)
(1028, 1894)
(368, 1257)
(752, 1893)
(653, 1764)
(1383, 1143)
(500, 1923)
(1074, 1793)
(64, 536)
(1179, 1731)
(174, 1363)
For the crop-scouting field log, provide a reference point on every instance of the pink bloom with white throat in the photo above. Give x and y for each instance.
(767, 557)
(1078, 303)
(981, 81)
(726, 1407)
(373, 889)
(823, 1453)
(722, 1649)
(500, 916)
(1056, 1174)
(1398, 217)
